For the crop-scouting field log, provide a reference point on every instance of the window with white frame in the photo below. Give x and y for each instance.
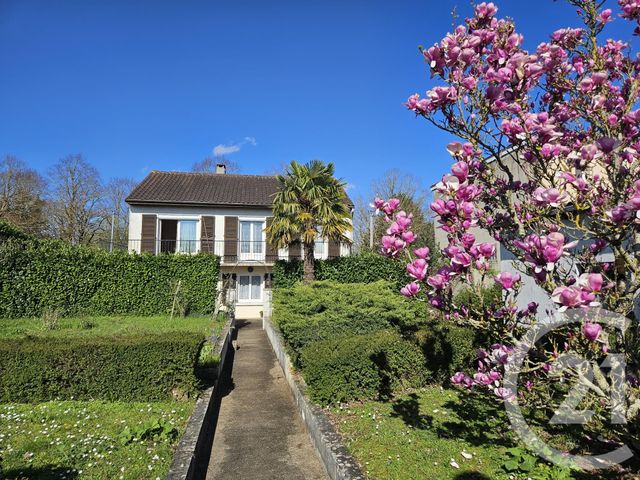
(249, 288)
(320, 247)
(187, 241)
(251, 237)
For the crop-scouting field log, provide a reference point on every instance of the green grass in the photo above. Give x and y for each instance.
(94, 439)
(106, 326)
(71, 439)
(417, 436)
(420, 434)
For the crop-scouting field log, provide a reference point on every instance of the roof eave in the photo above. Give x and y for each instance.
(195, 204)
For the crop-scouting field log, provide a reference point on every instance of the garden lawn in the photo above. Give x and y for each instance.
(107, 326)
(93, 440)
(418, 436)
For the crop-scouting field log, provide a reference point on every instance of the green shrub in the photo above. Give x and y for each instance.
(447, 348)
(132, 368)
(323, 310)
(36, 275)
(471, 299)
(364, 267)
(361, 367)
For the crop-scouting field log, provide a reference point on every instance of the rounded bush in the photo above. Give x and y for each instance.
(325, 310)
(361, 367)
(447, 348)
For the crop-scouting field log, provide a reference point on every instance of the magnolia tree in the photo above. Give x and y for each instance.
(548, 163)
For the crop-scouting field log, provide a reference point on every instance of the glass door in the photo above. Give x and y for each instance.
(251, 243)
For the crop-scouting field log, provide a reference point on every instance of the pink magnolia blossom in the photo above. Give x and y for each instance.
(550, 196)
(591, 331)
(410, 290)
(507, 280)
(418, 269)
(571, 297)
(438, 281)
(505, 394)
(460, 170)
(391, 206)
(592, 282)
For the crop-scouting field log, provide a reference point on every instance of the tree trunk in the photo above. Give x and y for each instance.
(309, 267)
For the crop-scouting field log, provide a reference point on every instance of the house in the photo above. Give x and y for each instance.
(219, 213)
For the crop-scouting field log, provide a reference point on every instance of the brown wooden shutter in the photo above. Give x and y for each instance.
(230, 239)
(271, 250)
(295, 250)
(207, 234)
(148, 233)
(334, 249)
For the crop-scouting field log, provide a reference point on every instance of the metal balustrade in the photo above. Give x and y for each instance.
(231, 251)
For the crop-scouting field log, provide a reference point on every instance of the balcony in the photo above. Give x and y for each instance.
(230, 251)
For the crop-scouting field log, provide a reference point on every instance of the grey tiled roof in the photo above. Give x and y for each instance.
(205, 189)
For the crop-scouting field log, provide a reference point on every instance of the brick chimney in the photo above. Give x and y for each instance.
(221, 168)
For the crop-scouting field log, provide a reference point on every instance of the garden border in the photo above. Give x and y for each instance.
(192, 453)
(339, 464)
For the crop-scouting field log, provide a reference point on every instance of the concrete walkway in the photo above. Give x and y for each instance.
(259, 434)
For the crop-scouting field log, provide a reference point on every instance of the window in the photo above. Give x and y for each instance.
(178, 236)
(251, 244)
(187, 236)
(320, 246)
(250, 288)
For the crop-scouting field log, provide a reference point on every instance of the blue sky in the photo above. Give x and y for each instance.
(142, 85)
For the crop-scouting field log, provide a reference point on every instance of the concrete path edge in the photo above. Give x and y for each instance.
(192, 453)
(337, 461)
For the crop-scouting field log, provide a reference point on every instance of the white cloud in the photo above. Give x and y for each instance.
(222, 149)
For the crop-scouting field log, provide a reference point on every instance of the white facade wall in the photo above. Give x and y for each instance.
(190, 213)
(196, 213)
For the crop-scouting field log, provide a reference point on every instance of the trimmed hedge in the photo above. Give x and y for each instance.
(325, 310)
(140, 368)
(362, 367)
(364, 267)
(49, 274)
(447, 348)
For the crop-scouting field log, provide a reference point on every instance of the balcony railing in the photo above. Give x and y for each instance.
(231, 251)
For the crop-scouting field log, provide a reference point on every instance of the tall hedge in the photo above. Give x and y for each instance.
(364, 267)
(131, 368)
(49, 274)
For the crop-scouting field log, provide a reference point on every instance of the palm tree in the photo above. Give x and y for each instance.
(310, 202)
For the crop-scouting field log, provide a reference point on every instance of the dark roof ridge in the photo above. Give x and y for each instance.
(255, 175)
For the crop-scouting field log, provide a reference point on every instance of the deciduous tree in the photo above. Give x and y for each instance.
(21, 195)
(76, 207)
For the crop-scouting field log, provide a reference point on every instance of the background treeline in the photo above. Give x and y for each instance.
(71, 202)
